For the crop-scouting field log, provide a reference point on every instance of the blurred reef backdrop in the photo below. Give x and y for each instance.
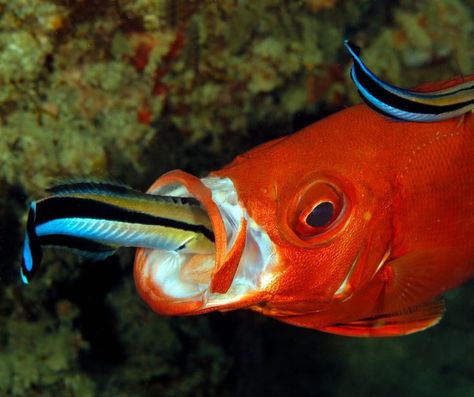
(128, 89)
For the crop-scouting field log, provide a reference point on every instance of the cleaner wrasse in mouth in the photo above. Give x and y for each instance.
(355, 226)
(450, 99)
(97, 218)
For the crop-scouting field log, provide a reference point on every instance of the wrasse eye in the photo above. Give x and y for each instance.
(321, 215)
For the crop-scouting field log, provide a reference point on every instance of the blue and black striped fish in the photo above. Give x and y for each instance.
(410, 105)
(95, 219)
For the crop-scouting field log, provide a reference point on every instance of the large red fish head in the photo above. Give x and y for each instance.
(301, 224)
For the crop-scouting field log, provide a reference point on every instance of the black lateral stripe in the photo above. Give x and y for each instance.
(73, 207)
(401, 103)
(73, 242)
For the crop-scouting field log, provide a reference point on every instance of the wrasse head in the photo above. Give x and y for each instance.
(294, 229)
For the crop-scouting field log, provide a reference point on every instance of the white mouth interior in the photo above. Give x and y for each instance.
(187, 276)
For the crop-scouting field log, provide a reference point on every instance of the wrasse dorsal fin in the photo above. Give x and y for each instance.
(91, 187)
(114, 189)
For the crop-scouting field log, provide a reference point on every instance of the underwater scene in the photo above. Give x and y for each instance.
(140, 257)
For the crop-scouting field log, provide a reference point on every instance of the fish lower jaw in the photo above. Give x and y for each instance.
(180, 279)
(173, 282)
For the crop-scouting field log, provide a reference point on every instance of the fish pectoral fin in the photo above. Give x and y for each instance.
(419, 277)
(414, 319)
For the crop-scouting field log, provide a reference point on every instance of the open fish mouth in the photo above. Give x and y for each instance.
(237, 271)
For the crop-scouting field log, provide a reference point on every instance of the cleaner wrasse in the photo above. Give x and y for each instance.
(355, 226)
(95, 219)
(425, 104)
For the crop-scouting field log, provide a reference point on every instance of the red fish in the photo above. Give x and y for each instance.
(354, 226)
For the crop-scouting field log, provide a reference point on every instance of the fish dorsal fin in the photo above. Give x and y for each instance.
(412, 320)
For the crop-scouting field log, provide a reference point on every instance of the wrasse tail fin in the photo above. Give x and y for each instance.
(412, 320)
(410, 105)
(32, 252)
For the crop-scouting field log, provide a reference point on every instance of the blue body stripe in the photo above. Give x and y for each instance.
(107, 232)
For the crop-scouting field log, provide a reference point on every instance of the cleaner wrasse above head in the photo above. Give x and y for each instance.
(428, 103)
(354, 225)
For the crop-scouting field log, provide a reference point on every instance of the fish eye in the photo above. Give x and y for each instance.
(316, 212)
(321, 215)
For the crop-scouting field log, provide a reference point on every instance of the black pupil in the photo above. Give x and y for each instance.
(321, 215)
